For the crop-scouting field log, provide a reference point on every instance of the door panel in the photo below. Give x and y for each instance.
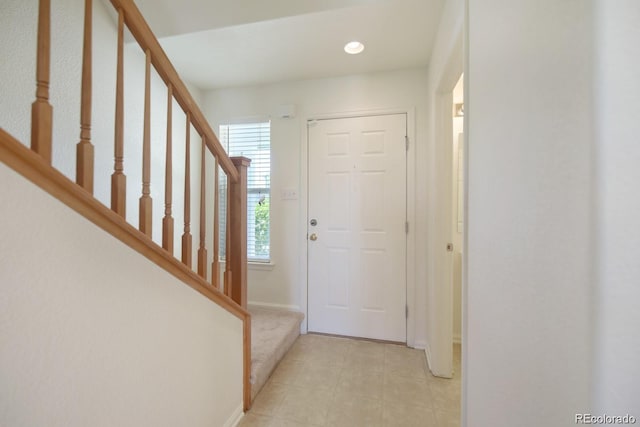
(357, 194)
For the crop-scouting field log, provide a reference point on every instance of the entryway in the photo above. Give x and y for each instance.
(330, 381)
(357, 226)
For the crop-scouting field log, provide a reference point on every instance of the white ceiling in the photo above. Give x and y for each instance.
(216, 44)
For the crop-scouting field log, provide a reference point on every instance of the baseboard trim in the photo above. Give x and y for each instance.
(427, 351)
(236, 417)
(274, 306)
(419, 345)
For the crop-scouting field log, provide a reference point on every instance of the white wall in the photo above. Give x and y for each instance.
(616, 384)
(392, 90)
(530, 212)
(18, 23)
(93, 333)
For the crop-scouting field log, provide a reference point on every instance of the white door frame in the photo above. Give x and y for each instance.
(440, 352)
(411, 214)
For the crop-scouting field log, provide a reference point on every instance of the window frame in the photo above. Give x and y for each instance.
(252, 258)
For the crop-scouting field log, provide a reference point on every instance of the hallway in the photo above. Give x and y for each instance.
(329, 381)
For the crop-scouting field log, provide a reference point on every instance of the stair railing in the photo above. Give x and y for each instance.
(35, 164)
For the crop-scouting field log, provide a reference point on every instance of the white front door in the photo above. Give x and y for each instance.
(356, 227)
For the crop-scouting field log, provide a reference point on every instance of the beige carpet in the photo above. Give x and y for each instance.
(273, 332)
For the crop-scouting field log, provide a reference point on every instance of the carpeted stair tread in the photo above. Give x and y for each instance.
(273, 332)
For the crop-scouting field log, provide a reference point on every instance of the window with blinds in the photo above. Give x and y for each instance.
(251, 140)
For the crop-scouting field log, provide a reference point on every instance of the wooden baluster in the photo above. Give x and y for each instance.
(238, 225)
(41, 110)
(215, 265)
(186, 237)
(227, 243)
(84, 149)
(202, 250)
(118, 178)
(146, 206)
(167, 221)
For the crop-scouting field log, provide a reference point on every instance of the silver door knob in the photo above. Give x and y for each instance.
(313, 237)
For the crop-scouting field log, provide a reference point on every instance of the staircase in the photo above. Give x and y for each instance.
(226, 289)
(274, 332)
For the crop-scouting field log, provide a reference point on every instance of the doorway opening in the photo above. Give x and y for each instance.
(457, 220)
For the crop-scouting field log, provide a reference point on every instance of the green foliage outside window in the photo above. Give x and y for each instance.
(262, 228)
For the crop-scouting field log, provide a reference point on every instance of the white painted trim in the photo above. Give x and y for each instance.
(411, 214)
(236, 417)
(465, 230)
(441, 303)
(441, 261)
(270, 305)
(302, 222)
(420, 345)
(255, 266)
(411, 217)
(246, 120)
(265, 266)
(427, 352)
(430, 367)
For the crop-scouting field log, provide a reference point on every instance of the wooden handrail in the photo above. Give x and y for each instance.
(37, 170)
(35, 165)
(148, 41)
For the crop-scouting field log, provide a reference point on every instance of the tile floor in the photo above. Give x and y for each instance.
(329, 381)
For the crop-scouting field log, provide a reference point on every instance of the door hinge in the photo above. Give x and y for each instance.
(406, 311)
(406, 227)
(406, 142)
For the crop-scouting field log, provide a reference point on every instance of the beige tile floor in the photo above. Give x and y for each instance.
(329, 381)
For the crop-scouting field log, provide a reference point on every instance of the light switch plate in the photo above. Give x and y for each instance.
(289, 194)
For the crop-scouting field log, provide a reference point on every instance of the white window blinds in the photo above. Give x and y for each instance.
(251, 140)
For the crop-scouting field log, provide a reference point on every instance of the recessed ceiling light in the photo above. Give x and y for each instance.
(353, 47)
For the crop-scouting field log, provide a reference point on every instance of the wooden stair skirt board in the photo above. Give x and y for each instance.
(273, 333)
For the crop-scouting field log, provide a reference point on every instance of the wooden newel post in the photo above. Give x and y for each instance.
(238, 231)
